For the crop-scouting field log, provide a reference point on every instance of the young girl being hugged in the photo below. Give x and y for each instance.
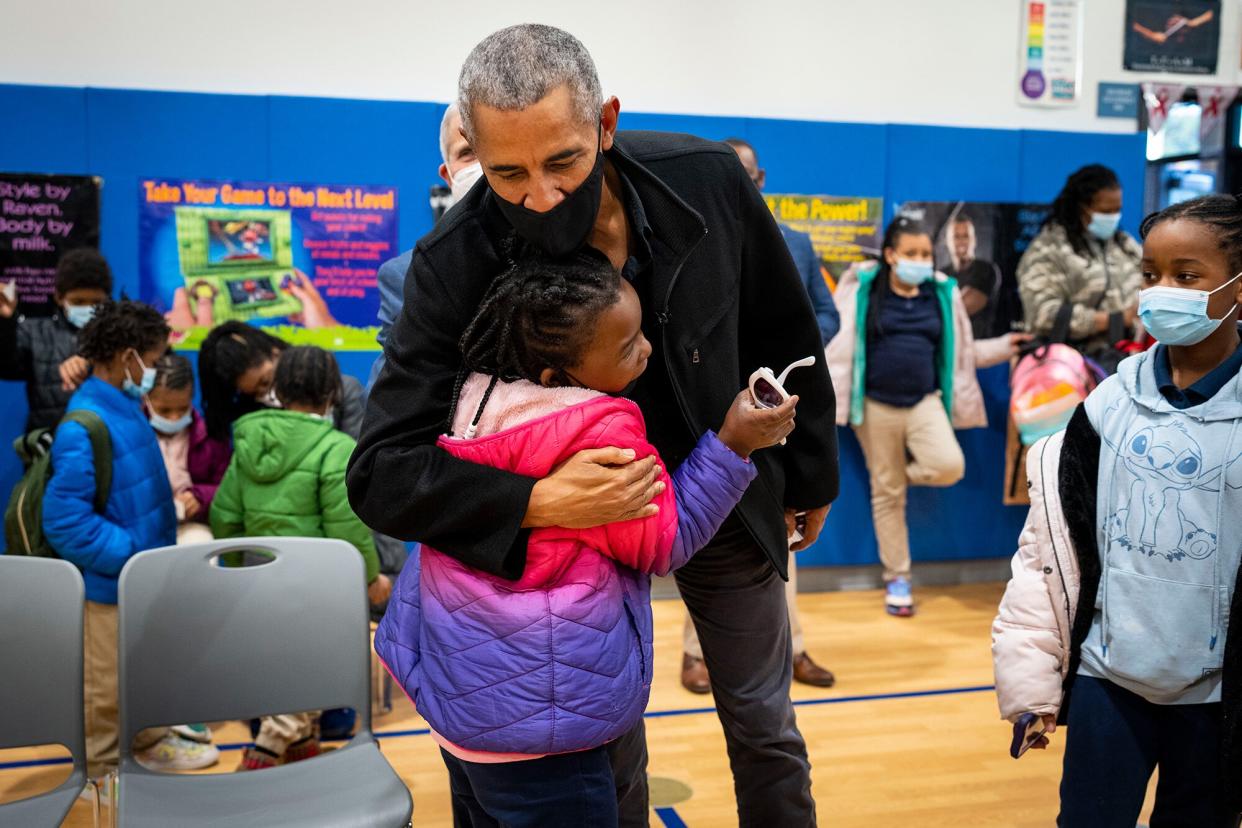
(287, 479)
(903, 368)
(524, 683)
(1121, 620)
(195, 462)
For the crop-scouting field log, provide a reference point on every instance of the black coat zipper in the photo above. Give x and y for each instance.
(663, 317)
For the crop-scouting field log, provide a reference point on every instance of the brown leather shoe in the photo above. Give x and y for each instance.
(694, 675)
(806, 671)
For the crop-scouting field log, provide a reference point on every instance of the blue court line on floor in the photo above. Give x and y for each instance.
(670, 818)
(651, 714)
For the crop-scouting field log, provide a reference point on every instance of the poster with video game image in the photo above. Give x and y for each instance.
(299, 258)
(980, 244)
(42, 217)
(843, 229)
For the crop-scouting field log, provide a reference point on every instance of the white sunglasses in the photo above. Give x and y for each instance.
(768, 391)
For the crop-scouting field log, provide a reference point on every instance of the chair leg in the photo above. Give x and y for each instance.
(103, 787)
(381, 688)
(96, 816)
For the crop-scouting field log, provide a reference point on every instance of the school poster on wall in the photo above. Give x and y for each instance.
(1181, 36)
(299, 258)
(843, 229)
(1050, 52)
(980, 245)
(42, 216)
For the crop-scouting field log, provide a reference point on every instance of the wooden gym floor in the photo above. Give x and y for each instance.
(909, 736)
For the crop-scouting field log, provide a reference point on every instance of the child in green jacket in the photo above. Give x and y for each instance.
(287, 479)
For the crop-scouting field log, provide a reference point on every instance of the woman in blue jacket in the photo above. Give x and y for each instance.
(122, 344)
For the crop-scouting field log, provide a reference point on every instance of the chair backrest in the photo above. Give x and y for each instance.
(41, 650)
(200, 642)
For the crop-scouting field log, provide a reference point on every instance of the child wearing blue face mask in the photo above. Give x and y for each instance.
(1122, 616)
(195, 461)
(42, 351)
(122, 344)
(903, 368)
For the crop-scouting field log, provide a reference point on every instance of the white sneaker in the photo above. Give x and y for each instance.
(172, 753)
(200, 733)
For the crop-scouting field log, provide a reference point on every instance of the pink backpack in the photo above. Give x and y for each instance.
(1047, 385)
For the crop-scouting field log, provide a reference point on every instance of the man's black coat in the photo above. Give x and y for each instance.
(722, 298)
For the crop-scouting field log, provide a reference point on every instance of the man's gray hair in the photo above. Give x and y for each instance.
(516, 67)
(445, 136)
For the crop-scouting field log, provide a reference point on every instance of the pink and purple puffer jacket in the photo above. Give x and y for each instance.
(559, 660)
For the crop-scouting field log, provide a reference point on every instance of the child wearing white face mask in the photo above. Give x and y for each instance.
(287, 479)
(42, 351)
(1122, 616)
(122, 343)
(195, 462)
(903, 369)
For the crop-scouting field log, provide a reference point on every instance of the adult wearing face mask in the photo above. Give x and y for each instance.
(43, 351)
(460, 170)
(903, 368)
(720, 296)
(1080, 277)
(237, 369)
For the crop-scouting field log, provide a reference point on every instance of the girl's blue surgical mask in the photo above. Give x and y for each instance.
(79, 315)
(1104, 225)
(913, 273)
(1179, 316)
(141, 389)
(170, 427)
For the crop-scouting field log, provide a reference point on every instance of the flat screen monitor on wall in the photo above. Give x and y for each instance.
(1179, 135)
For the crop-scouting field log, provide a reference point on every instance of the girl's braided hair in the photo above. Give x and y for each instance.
(307, 375)
(174, 372)
(1079, 189)
(538, 313)
(1221, 213)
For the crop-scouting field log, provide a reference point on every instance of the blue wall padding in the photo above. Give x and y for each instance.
(125, 135)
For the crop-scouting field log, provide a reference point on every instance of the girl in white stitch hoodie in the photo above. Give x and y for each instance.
(1117, 619)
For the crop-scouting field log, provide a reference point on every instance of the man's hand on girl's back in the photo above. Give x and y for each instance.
(593, 488)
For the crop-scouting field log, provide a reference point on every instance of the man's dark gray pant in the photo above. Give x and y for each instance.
(737, 602)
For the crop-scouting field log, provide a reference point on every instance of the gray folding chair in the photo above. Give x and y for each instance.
(41, 691)
(201, 643)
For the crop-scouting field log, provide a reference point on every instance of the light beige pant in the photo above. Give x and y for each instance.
(905, 447)
(276, 733)
(100, 690)
(690, 636)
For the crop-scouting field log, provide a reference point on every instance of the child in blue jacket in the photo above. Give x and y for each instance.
(122, 343)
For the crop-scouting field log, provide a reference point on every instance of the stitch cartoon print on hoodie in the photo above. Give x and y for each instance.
(1169, 489)
(1164, 461)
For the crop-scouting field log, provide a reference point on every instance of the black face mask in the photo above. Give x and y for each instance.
(566, 227)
